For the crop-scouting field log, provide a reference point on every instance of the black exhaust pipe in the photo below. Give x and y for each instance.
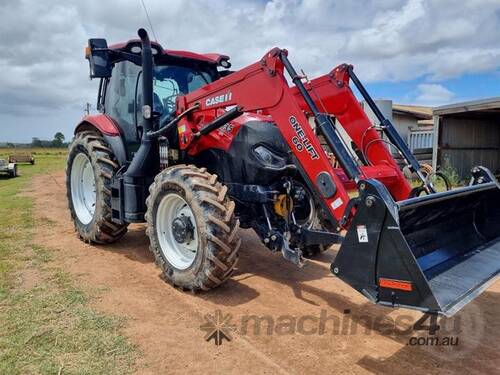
(145, 164)
(147, 81)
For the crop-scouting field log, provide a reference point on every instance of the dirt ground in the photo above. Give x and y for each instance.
(164, 322)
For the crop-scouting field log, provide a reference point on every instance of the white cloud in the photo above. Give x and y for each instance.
(43, 70)
(433, 94)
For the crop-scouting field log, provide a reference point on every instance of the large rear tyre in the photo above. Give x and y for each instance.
(90, 167)
(192, 228)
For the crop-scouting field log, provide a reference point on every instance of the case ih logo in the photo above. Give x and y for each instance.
(300, 140)
(218, 99)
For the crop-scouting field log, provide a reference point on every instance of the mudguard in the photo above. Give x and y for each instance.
(110, 131)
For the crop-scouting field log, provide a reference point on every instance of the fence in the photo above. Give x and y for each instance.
(420, 139)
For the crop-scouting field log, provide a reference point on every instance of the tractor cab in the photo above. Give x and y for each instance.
(120, 95)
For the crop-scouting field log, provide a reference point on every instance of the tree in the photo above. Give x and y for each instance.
(60, 137)
(58, 140)
(36, 142)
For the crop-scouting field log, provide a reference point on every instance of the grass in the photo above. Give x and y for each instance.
(49, 326)
(5, 151)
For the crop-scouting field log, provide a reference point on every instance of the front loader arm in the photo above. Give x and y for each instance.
(332, 94)
(263, 87)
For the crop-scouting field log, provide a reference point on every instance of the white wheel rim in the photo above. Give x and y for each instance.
(181, 255)
(83, 192)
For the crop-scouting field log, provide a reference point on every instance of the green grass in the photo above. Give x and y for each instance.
(37, 151)
(48, 327)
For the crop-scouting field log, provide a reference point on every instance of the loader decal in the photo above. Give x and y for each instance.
(218, 99)
(362, 233)
(300, 140)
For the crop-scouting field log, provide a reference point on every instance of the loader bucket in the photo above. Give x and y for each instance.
(434, 253)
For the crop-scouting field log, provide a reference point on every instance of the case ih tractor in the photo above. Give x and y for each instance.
(197, 151)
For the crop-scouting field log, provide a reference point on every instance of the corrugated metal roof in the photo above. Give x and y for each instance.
(488, 104)
(428, 122)
(417, 111)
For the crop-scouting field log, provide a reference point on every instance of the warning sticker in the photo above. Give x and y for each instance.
(337, 203)
(362, 233)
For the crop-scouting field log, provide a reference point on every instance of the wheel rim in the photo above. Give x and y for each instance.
(83, 192)
(180, 252)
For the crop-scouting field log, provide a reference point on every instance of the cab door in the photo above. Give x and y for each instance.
(120, 103)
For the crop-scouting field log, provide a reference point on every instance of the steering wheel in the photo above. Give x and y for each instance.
(157, 104)
(169, 103)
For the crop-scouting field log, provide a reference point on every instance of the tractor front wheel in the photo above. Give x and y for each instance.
(192, 228)
(90, 168)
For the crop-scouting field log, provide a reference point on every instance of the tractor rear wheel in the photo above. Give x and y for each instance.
(192, 228)
(90, 167)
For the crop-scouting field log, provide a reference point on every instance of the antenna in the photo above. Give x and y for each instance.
(86, 110)
(149, 20)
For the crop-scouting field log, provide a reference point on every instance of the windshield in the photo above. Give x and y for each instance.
(170, 81)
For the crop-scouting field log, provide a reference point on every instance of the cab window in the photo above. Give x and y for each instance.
(171, 81)
(120, 93)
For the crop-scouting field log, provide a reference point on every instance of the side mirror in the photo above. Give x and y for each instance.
(97, 53)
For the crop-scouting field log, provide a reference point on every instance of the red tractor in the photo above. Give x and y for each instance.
(196, 151)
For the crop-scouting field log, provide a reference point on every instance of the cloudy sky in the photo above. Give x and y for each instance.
(427, 52)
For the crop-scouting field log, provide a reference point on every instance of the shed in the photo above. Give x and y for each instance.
(410, 117)
(413, 123)
(468, 134)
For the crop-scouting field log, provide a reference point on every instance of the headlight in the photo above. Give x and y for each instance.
(268, 157)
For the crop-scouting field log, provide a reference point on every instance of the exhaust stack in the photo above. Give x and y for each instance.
(145, 164)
